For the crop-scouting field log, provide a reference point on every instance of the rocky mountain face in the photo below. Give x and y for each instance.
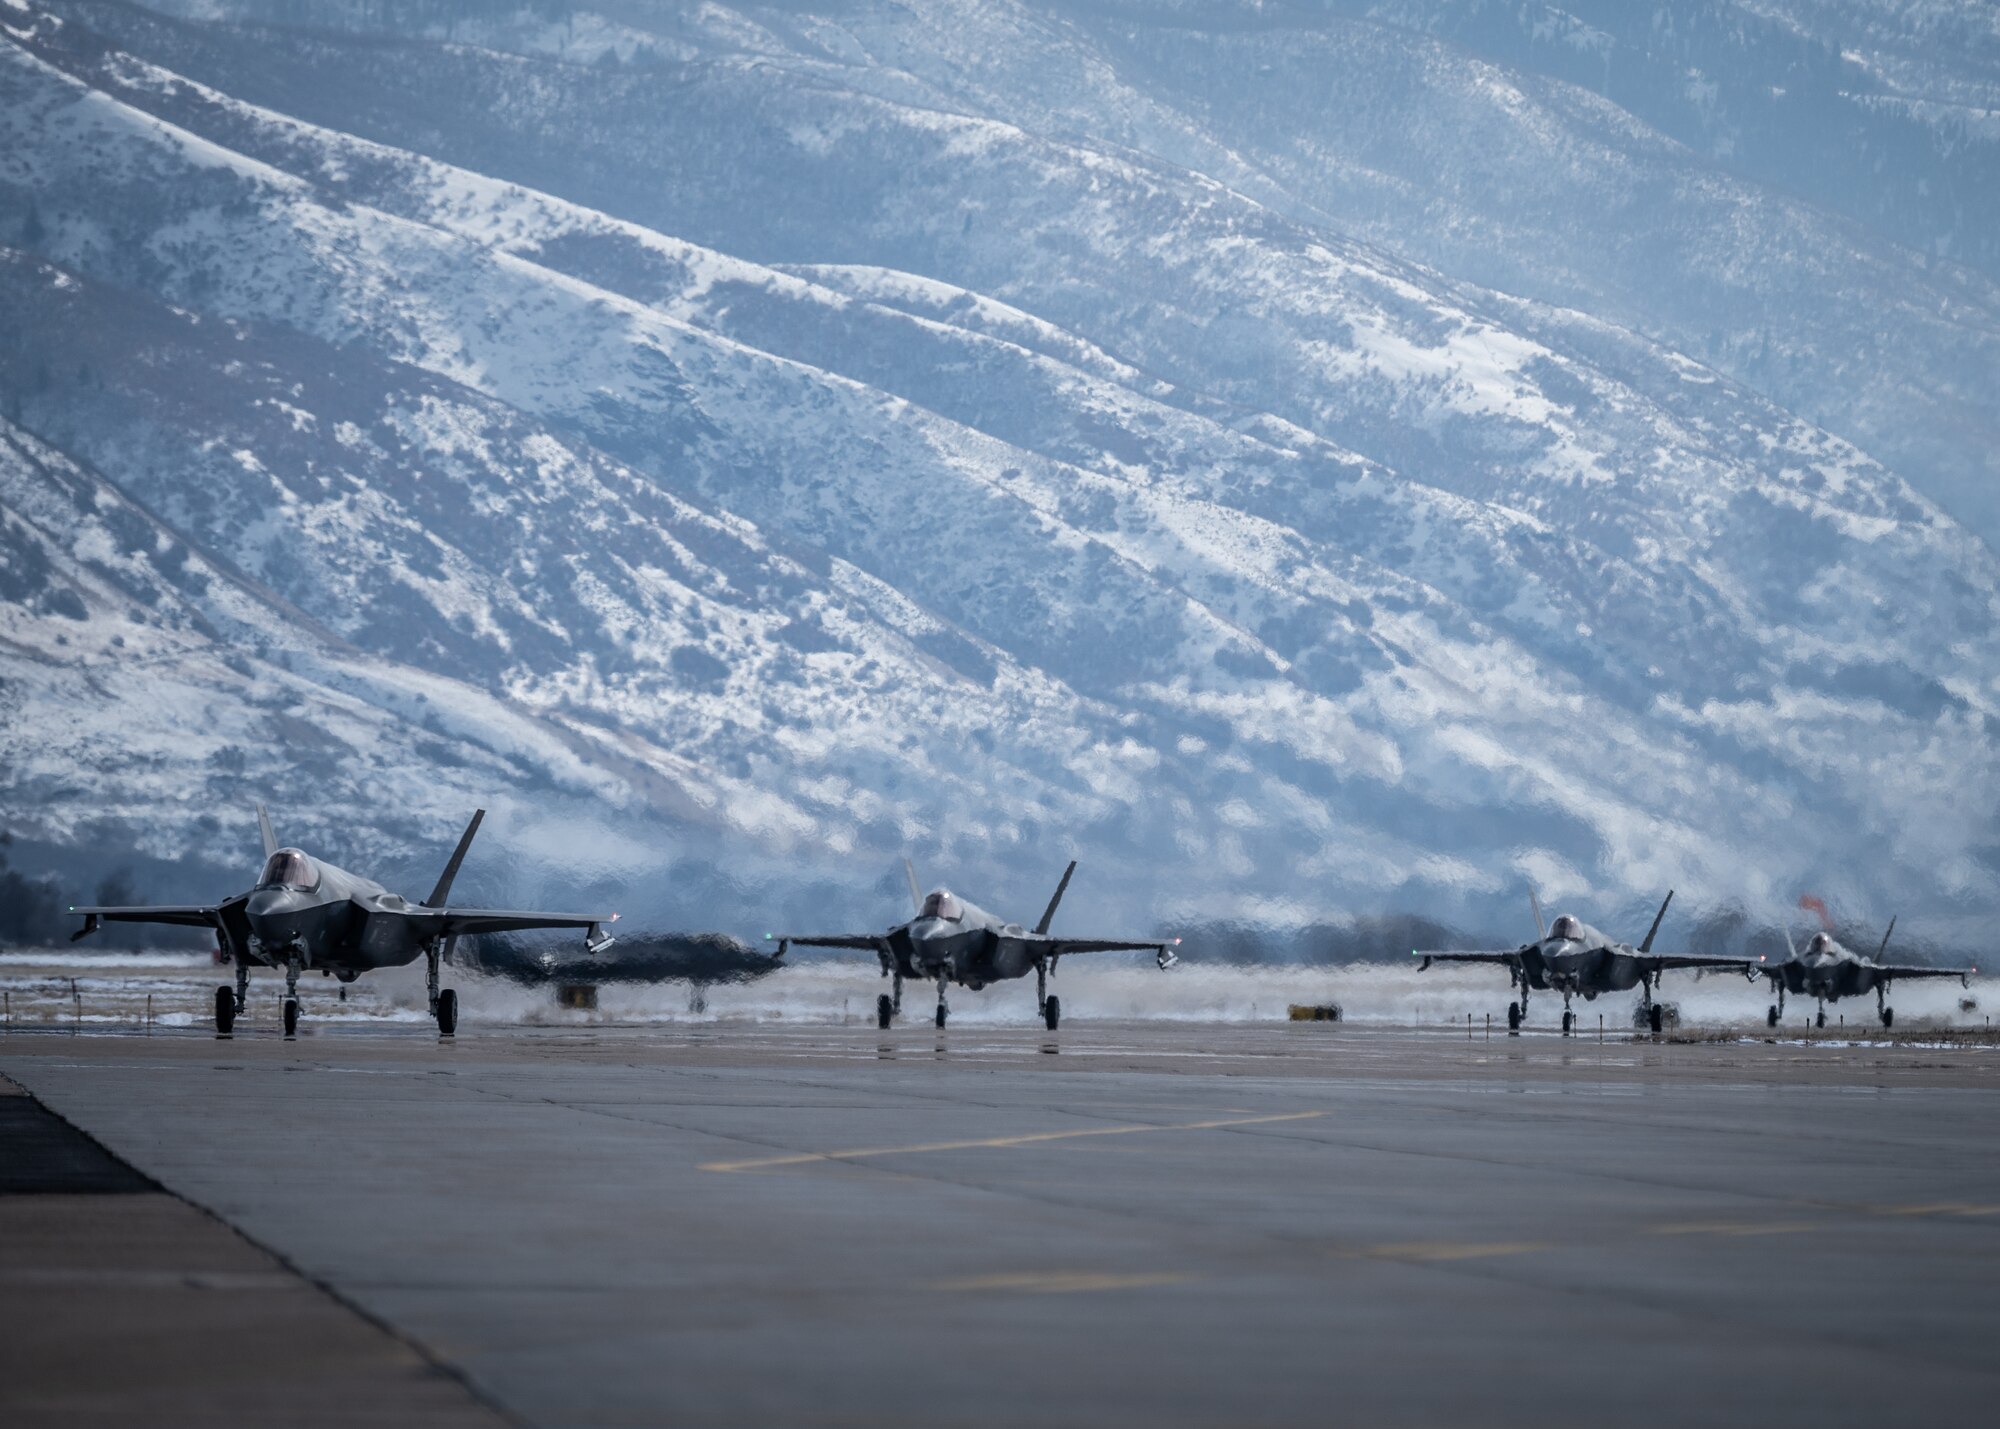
(1301, 460)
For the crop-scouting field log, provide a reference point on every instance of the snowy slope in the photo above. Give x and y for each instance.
(943, 456)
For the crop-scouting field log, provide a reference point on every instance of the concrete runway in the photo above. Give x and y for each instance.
(1118, 1224)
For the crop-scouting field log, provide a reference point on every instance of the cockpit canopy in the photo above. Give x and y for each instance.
(942, 905)
(1566, 928)
(289, 868)
(1821, 943)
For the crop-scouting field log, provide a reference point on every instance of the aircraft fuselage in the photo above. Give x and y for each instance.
(327, 925)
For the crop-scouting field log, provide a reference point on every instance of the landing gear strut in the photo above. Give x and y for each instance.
(444, 1003)
(943, 1008)
(1882, 1008)
(1777, 1008)
(1051, 1006)
(292, 993)
(1569, 1018)
(242, 988)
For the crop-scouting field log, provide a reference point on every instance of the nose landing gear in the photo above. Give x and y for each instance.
(292, 993)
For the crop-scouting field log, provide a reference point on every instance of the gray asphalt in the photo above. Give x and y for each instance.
(1126, 1224)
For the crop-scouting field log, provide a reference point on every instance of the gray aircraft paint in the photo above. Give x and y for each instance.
(1827, 971)
(304, 914)
(951, 940)
(1576, 960)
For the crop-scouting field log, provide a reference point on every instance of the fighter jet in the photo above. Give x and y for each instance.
(1571, 957)
(304, 913)
(949, 940)
(1827, 972)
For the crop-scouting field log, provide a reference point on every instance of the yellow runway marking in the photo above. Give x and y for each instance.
(1732, 1228)
(765, 1163)
(1057, 1282)
(1435, 1250)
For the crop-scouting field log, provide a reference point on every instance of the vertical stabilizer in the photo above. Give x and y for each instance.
(264, 827)
(443, 889)
(916, 894)
(1647, 946)
(1049, 913)
(1885, 941)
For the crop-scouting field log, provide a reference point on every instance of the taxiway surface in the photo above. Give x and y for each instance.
(1117, 1224)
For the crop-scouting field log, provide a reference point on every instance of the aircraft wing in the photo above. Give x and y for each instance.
(1477, 955)
(1161, 948)
(1061, 947)
(1697, 960)
(182, 915)
(1891, 972)
(457, 922)
(872, 942)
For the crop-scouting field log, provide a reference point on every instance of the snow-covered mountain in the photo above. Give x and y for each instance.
(1299, 461)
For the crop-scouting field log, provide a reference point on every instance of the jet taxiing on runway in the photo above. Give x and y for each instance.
(1572, 958)
(950, 940)
(305, 913)
(1827, 972)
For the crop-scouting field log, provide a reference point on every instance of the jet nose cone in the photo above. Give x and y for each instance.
(273, 914)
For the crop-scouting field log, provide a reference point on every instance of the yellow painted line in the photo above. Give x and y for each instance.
(765, 1163)
(1733, 1228)
(1056, 1282)
(1437, 1250)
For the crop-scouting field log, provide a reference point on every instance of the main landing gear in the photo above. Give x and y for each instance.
(1516, 1013)
(1777, 1008)
(1569, 1021)
(230, 1006)
(444, 1004)
(885, 1011)
(1051, 1006)
(1655, 1017)
(1882, 1008)
(943, 1008)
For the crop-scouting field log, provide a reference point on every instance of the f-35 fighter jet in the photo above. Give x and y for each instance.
(950, 941)
(304, 913)
(1572, 958)
(1827, 972)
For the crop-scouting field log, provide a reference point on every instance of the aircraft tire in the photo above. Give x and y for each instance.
(884, 1010)
(1820, 1021)
(1771, 1016)
(940, 1017)
(1513, 1017)
(1052, 1013)
(225, 1011)
(1888, 1017)
(291, 1016)
(1569, 1019)
(447, 1013)
(1657, 1017)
